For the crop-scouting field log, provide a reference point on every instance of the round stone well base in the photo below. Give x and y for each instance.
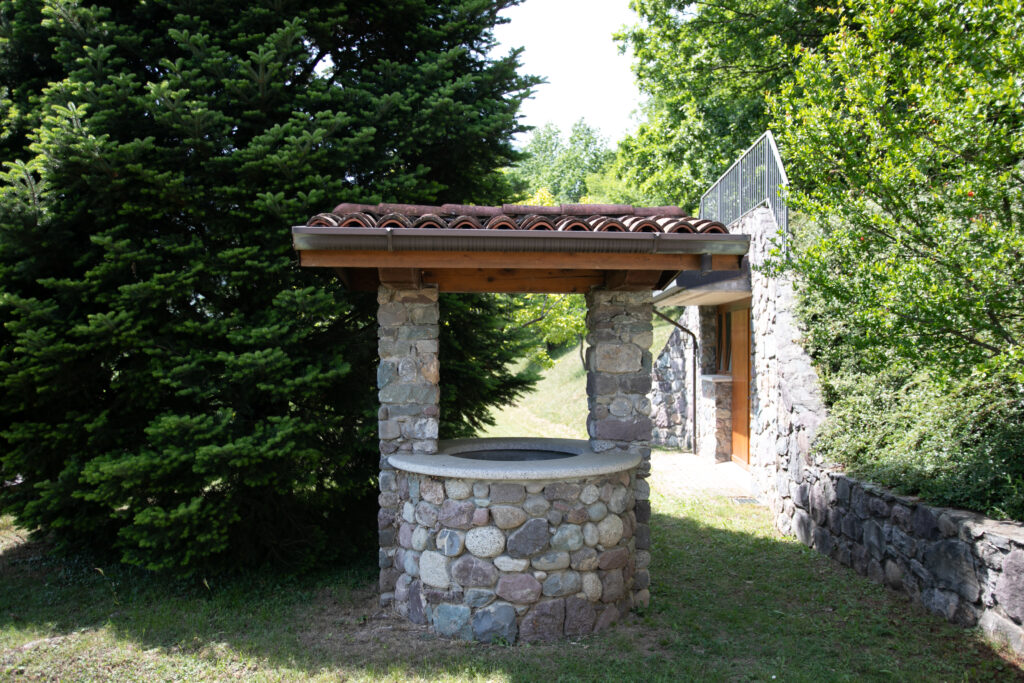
(516, 551)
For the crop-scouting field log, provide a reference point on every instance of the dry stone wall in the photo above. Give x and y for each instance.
(967, 568)
(960, 565)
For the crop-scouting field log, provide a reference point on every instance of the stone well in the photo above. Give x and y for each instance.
(499, 550)
(506, 550)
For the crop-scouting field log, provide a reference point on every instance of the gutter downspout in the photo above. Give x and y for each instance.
(693, 373)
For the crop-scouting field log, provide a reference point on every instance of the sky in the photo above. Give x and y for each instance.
(569, 42)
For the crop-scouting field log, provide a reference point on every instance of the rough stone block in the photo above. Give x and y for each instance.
(472, 571)
(507, 493)
(519, 588)
(509, 564)
(613, 559)
(453, 621)
(560, 584)
(507, 516)
(952, 564)
(479, 597)
(434, 569)
(802, 526)
(495, 623)
(530, 538)
(456, 514)
(610, 530)
(584, 559)
(925, 525)
(552, 560)
(450, 542)
(485, 541)
(1010, 586)
(613, 585)
(536, 505)
(580, 617)
(562, 491)
(457, 489)
(544, 622)
(642, 536)
(568, 537)
(615, 358)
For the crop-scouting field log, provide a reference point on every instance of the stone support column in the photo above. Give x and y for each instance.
(619, 336)
(407, 379)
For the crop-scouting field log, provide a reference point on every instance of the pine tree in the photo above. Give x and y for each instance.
(174, 388)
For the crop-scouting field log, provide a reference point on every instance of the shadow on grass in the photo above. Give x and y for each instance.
(728, 604)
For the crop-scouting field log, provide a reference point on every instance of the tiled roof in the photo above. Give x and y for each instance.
(567, 217)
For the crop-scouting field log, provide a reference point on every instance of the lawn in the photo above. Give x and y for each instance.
(731, 601)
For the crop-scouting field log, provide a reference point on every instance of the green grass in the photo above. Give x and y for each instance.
(557, 407)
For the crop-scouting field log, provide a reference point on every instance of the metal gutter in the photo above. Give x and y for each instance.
(434, 239)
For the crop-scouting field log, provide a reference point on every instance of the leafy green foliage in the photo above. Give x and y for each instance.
(560, 167)
(904, 135)
(172, 386)
(706, 68)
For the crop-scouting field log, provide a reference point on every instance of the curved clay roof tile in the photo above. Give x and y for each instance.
(535, 222)
(608, 224)
(465, 223)
(501, 222)
(713, 227)
(324, 220)
(644, 225)
(430, 220)
(357, 219)
(573, 224)
(394, 220)
(672, 225)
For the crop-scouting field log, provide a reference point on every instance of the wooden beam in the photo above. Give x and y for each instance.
(514, 260)
(632, 280)
(725, 262)
(550, 281)
(359, 279)
(400, 278)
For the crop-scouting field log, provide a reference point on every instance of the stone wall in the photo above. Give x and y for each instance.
(962, 566)
(671, 387)
(514, 560)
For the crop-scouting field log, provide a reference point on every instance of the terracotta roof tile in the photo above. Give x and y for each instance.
(567, 217)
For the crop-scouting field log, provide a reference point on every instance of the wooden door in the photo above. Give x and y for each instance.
(740, 371)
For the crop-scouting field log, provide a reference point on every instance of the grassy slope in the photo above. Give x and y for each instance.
(558, 406)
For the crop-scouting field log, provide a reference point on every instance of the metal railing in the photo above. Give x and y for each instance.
(755, 179)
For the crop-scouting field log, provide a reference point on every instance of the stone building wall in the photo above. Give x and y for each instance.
(672, 381)
(960, 565)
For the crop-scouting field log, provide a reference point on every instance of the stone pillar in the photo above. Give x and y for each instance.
(714, 415)
(619, 336)
(407, 379)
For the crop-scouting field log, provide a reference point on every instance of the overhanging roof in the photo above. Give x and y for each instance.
(514, 248)
(707, 289)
